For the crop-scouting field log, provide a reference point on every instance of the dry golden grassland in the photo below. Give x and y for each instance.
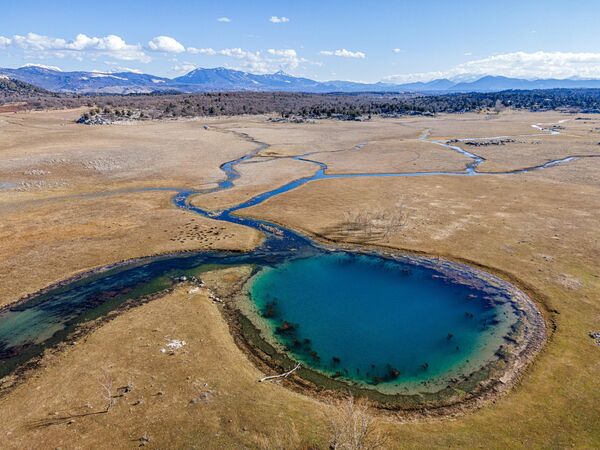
(43, 242)
(539, 230)
(46, 152)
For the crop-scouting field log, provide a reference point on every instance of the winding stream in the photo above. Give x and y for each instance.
(49, 317)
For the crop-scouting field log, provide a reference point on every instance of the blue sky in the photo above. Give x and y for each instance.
(353, 40)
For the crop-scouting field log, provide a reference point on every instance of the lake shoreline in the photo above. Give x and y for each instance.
(271, 361)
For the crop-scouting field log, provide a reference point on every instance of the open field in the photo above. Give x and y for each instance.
(47, 151)
(388, 156)
(46, 241)
(72, 199)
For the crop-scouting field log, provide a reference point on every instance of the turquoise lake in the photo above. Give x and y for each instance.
(379, 322)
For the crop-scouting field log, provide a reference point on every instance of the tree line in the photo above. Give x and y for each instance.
(286, 105)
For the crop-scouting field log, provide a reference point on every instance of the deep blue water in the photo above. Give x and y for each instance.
(377, 320)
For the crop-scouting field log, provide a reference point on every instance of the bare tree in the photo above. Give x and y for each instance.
(352, 428)
(106, 385)
(499, 106)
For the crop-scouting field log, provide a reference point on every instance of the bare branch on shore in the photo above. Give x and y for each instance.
(283, 375)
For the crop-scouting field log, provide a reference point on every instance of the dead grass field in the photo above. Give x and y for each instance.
(326, 135)
(393, 155)
(533, 151)
(472, 125)
(42, 152)
(48, 241)
(539, 229)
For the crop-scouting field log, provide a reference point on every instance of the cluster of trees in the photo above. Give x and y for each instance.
(234, 103)
(171, 105)
(586, 100)
(14, 91)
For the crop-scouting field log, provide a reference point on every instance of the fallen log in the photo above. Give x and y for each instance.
(283, 375)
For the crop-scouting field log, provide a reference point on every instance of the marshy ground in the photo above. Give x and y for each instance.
(75, 197)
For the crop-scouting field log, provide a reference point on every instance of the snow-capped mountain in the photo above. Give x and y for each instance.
(223, 79)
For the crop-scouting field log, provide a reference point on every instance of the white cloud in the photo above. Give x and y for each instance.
(256, 61)
(519, 65)
(287, 52)
(288, 57)
(201, 51)
(343, 53)
(239, 53)
(33, 41)
(224, 19)
(252, 61)
(4, 42)
(166, 44)
(536, 65)
(84, 42)
(275, 19)
(45, 46)
(397, 50)
(184, 68)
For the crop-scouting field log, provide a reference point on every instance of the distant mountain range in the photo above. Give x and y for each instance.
(222, 79)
